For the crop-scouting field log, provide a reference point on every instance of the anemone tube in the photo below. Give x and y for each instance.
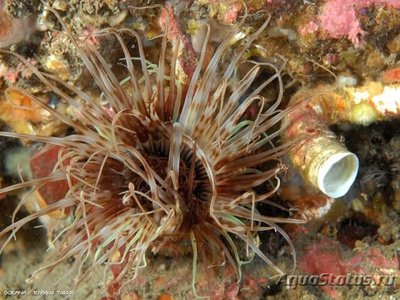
(318, 154)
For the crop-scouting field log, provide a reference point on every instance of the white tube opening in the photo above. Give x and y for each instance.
(337, 174)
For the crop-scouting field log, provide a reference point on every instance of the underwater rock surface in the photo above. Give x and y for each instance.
(358, 234)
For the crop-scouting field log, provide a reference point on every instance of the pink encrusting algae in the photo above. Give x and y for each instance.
(324, 259)
(338, 18)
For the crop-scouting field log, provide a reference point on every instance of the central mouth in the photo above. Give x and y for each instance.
(129, 182)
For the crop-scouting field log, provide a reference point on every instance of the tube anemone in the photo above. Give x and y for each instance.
(160, 163)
